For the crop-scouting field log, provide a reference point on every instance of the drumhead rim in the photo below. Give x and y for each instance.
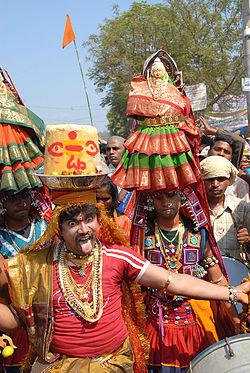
(215, 346)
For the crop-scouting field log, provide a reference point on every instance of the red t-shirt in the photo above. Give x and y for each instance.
(77, 338)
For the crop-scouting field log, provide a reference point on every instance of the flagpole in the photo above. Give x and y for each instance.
(84, 84)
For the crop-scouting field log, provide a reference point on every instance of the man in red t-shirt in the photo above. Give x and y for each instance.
(68, 294)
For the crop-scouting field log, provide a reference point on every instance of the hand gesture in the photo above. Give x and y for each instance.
(243, 292)
(242, 235)
(207, 128)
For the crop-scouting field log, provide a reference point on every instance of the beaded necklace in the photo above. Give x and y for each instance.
(171, 245)
(89, 311)
(78, 264)
(82, 290)
(172, 262)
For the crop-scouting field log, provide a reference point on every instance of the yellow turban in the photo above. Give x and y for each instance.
(217, 166)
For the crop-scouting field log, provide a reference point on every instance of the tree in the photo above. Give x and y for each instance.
(203, 36)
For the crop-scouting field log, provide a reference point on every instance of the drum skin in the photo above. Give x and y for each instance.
(237, 271)
(224, 357)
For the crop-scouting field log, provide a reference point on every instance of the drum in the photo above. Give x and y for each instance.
(226, 356)
(236, 271)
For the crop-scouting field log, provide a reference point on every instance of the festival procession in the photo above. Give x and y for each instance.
(130, 253)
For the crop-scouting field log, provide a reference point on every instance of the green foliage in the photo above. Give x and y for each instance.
(203, 36)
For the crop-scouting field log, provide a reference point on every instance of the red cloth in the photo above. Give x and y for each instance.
(20, 339)
(125, 225)
(76, 337)
(181, 342)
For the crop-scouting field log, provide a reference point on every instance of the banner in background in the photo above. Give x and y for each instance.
(230, 121)
(198, 96)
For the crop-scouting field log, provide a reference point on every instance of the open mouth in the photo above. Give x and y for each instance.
(84, 243)
(84, 239)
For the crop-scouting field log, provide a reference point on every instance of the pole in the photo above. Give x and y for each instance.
(84, 84)
(246, 51)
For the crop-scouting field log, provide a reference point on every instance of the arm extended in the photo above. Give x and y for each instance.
(189, 286)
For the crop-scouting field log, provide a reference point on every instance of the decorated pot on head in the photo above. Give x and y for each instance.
(72, 158)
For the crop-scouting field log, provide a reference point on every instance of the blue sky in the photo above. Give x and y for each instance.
(47, 76)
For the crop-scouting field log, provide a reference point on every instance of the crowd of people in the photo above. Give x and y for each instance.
(131, 276)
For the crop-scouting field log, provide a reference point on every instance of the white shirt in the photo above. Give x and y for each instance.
(225, 223)
(239, 189)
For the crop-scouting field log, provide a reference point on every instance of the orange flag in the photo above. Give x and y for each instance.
(69, 34)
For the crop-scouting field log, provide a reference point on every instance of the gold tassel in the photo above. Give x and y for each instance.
(134, 316)
(28, 360)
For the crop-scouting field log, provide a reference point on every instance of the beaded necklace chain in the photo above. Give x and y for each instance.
(171, 246)
(78, 265)
(171, 262)
(82, 290)
(89, 311)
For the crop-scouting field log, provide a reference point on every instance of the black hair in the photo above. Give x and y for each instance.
(206, 140)
(225, 138)
(75, 210)
(103, 148)
(12, 195)
(113, 191)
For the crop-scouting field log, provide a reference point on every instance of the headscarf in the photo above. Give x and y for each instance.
(217, 166)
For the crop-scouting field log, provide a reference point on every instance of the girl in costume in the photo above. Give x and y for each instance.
(21, 140)
(108, 195)
(25, 208)
(24, 203)
(178, 327)
(161, 157)
(22, 222)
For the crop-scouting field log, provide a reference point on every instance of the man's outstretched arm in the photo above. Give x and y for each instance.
(189, 286)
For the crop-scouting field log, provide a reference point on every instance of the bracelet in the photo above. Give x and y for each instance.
(208, 262)
(168, 282)
(217, 281)
(233, 295)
